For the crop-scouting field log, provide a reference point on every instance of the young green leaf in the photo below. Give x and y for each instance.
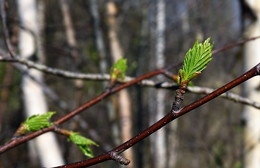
(35, 123)
(83, 143)
(118, 69)
(195, 61)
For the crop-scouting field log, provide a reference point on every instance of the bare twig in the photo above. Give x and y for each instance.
(227, 47)
(54, 71)
(98, 77)
(148, 83)
(227, 95)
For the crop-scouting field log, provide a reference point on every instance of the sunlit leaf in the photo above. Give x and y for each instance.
(35, 123)
(196, 60)
(83, 143)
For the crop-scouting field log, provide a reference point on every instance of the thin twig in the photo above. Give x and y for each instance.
(55, 71)
(98, 77)
(227, 95)
(120, 159)
(148, 83)
(165, 120)
(241, 42)
(17, 141)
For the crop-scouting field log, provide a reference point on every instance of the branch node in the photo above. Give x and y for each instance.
(176, 111)
(178, 100)
(115, 156)
(258, 69)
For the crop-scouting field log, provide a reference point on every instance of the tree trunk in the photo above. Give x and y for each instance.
(124, 106)
(70, 33)
(252, 129)
(33, 97)
(158, 140)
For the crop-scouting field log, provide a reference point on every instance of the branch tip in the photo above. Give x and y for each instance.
(258, 68)
(115, 156)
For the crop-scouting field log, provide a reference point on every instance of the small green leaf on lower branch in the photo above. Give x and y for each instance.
(83, 143)
(35, 123)
(118, 69)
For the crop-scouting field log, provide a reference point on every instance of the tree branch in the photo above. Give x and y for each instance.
(227, 95)
(98, 77)
(165, 120)
(19, 140)
(106, 77)
(241, 42)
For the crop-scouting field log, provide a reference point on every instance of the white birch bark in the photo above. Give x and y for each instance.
(158, 140)
(252, 129)
(45, 146)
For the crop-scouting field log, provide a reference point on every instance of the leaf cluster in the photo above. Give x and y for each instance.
(35, 123)
(195, 61)
(83, 143)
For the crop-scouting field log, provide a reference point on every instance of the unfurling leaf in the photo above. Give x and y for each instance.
(35, 123)
(195, 61)
(83, 143)
(118, 69)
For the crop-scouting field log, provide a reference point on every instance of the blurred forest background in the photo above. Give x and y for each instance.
(88, 36)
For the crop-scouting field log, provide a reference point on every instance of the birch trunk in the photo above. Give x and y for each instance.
(45, 146)
(123, 96)
(158, 140)
(252, 129)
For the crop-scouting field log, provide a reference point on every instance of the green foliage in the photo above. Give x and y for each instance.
(195, 61)
(83, 143)
(118, 69)
(35, 123)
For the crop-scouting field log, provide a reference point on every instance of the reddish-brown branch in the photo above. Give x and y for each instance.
(111, 155)
(17, 141)
(105, 94)
(165, 120)
(241, 42)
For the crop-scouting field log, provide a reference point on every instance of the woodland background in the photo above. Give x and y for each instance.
(210, 136)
